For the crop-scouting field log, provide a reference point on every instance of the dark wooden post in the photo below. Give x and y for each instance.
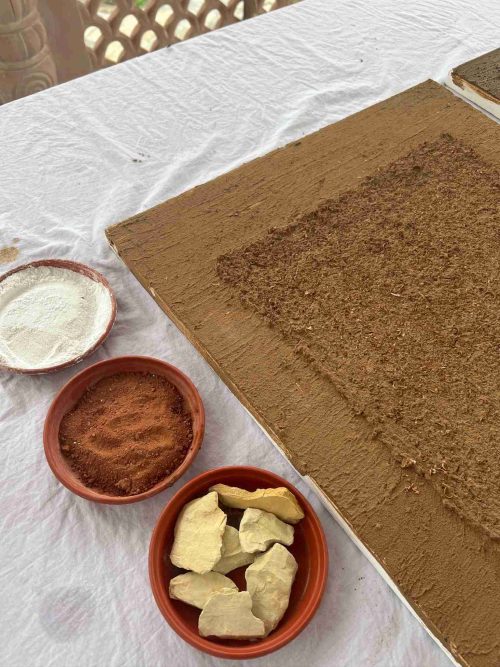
(64, 26)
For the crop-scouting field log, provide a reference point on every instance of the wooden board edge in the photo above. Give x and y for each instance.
(468, 91)
(114, 228)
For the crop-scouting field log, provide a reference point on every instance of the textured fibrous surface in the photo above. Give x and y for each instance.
(393, 291)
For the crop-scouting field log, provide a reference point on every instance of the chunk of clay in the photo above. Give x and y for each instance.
(233, 555)
(269, 582)
(198, 535)
(280, 501)
(259, 529)
(228, 615)
(195, 589)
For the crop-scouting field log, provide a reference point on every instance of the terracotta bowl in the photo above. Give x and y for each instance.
(85, 271)
(309, 548)
(69, 395)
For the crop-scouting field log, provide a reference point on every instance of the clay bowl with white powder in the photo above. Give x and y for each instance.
(53, 314)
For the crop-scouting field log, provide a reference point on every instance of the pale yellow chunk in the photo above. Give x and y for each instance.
(195, 589)
(198, 535)
(269, 582)
(279, 501)
(228, 615)
(259, 530)
(233, 555)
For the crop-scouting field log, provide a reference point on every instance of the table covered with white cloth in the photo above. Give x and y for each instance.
(84, 155)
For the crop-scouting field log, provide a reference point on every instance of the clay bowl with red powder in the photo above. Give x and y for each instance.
(73, 394)
(309, 549)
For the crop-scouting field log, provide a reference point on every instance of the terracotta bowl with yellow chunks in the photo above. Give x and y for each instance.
(238, 562)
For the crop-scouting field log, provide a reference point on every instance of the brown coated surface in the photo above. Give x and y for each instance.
(482, 72)
(393, 291)
(448, 570)
(126, 433)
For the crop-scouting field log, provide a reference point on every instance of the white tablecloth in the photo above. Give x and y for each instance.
(84, 155)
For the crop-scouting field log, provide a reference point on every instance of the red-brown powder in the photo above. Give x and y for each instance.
(126, 433)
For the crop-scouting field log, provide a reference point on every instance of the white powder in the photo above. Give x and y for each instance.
(50, 315)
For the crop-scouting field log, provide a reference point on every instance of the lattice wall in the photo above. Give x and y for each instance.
(117, 30)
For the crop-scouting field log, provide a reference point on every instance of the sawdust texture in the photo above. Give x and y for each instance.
(483, 72)
(392, 291)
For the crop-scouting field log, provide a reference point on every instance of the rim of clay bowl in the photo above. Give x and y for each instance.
(272, 642)
(72, 391)
(84, 270)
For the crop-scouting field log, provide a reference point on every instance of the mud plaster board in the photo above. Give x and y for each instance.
(446, 571)
(330, 507)
(479, 81)
(392, 290)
